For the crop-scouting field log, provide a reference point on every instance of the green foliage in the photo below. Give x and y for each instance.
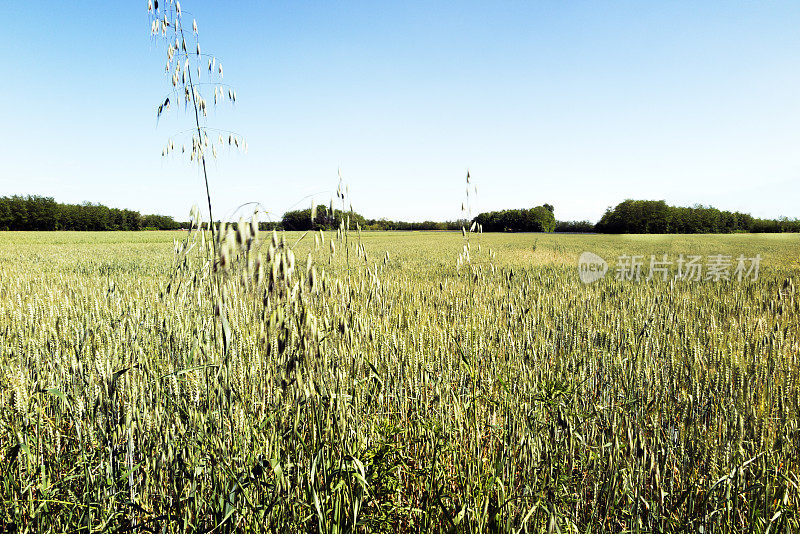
(583, 227)
(44, 213)
(538, 219)
(385, 224)
(324, 219)
(656, 217)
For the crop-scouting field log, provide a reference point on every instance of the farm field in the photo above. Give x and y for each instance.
(368, 382)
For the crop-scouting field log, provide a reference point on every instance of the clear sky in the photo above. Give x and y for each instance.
(577, 104)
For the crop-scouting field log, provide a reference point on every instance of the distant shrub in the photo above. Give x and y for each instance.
(582, 227)
(538, 219)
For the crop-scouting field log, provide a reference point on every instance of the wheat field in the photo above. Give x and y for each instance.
(393, 382)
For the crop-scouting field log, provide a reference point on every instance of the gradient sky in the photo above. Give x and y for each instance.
(578, 104)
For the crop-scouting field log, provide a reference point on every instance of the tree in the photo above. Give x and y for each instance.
(656, 216)
(538, 219)
(323, 219)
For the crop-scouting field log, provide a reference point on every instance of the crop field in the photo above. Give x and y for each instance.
(391, 382)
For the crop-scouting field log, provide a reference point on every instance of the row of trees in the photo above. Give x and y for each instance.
(44, 213)
(629, 216)
(538, 219)
(325, 219)
(657, 217)
(385, 224)
(581, 227)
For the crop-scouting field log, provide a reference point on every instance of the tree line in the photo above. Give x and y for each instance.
(322, 218)
(630, 216)
(657, 217)
(44, 213)
(538, 219)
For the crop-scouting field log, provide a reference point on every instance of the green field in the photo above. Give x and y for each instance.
(381, 388)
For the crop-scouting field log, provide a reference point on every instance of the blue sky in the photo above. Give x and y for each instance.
(578, 104)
